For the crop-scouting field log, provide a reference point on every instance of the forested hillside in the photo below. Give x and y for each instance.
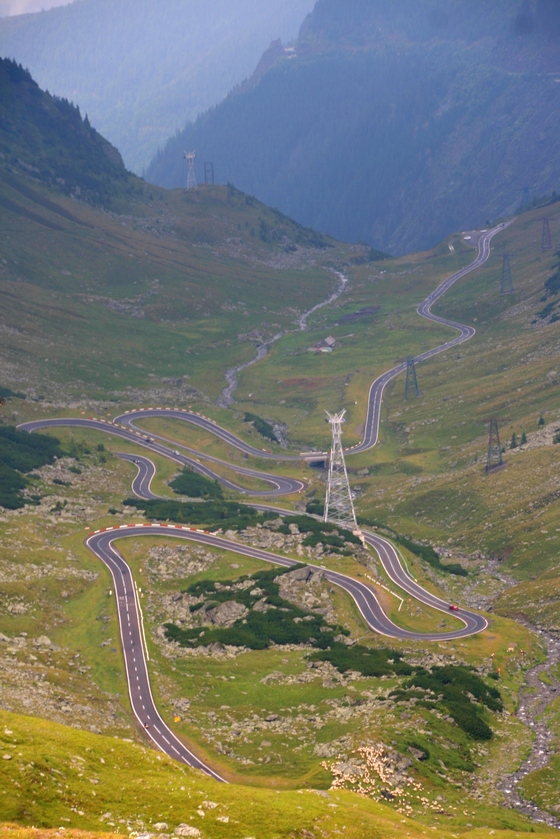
(141, 69)
(395, 122)
(46, 137)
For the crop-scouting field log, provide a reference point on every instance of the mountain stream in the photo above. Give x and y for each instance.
(226, 399)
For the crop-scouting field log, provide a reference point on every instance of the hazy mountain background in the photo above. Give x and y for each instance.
(21, 7)
(141, 69)
(394, 121)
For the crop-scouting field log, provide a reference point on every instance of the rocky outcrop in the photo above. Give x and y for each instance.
(226, 613)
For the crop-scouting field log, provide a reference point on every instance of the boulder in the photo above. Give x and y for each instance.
(226, 613)
(187, 830)
(300, 575)
(344, 639)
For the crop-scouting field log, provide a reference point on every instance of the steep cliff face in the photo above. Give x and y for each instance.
(395, 121)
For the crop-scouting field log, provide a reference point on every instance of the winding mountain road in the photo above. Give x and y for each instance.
(278, 485)
(375, 397)
(133, 639)
(362, 593)
(101, 542)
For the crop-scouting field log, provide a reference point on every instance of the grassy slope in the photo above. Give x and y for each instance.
(432, 449)
(161, 289)
(78, 616)
(61, 777)
(440, 453)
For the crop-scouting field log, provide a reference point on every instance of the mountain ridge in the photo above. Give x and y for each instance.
(392, 129)
(108, 58)
(46, 137)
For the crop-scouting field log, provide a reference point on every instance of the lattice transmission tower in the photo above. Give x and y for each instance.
(411, 380)
(507, 281)
(339, 506)
(494, 458)
(191, 177)
(546, 237)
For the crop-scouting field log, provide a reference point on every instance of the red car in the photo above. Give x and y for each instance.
(453, 608)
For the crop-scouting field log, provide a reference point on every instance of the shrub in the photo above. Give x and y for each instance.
(429, 555)
(319, 531)
(284, 623)
(552, 285)
(6, 393)
(196, 486)
(263, 427)
(228, 515)
(20, 453)
(457, 690)
(366, 660)
(315, 507)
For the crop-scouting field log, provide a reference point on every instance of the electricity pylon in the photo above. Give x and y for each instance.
(191, 177)
(494, 458)
(507, 281)
(339, 506)
(546, 237)
(411, 380)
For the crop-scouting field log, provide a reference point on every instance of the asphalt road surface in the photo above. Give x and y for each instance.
(388, 557)
(132, 630)
(375, 398)
(278, 485)
(136, 654)
(128, 603)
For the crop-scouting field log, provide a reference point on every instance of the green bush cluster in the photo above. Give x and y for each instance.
(457, 690)
(263, 427)
(425, 552)
(282, 623)
(6, 393)
(20, 453)
(315, 507)
(365, 660)
(454, 689)
(228, 515)
(552, 285)
(326, 533)
(193, 485)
